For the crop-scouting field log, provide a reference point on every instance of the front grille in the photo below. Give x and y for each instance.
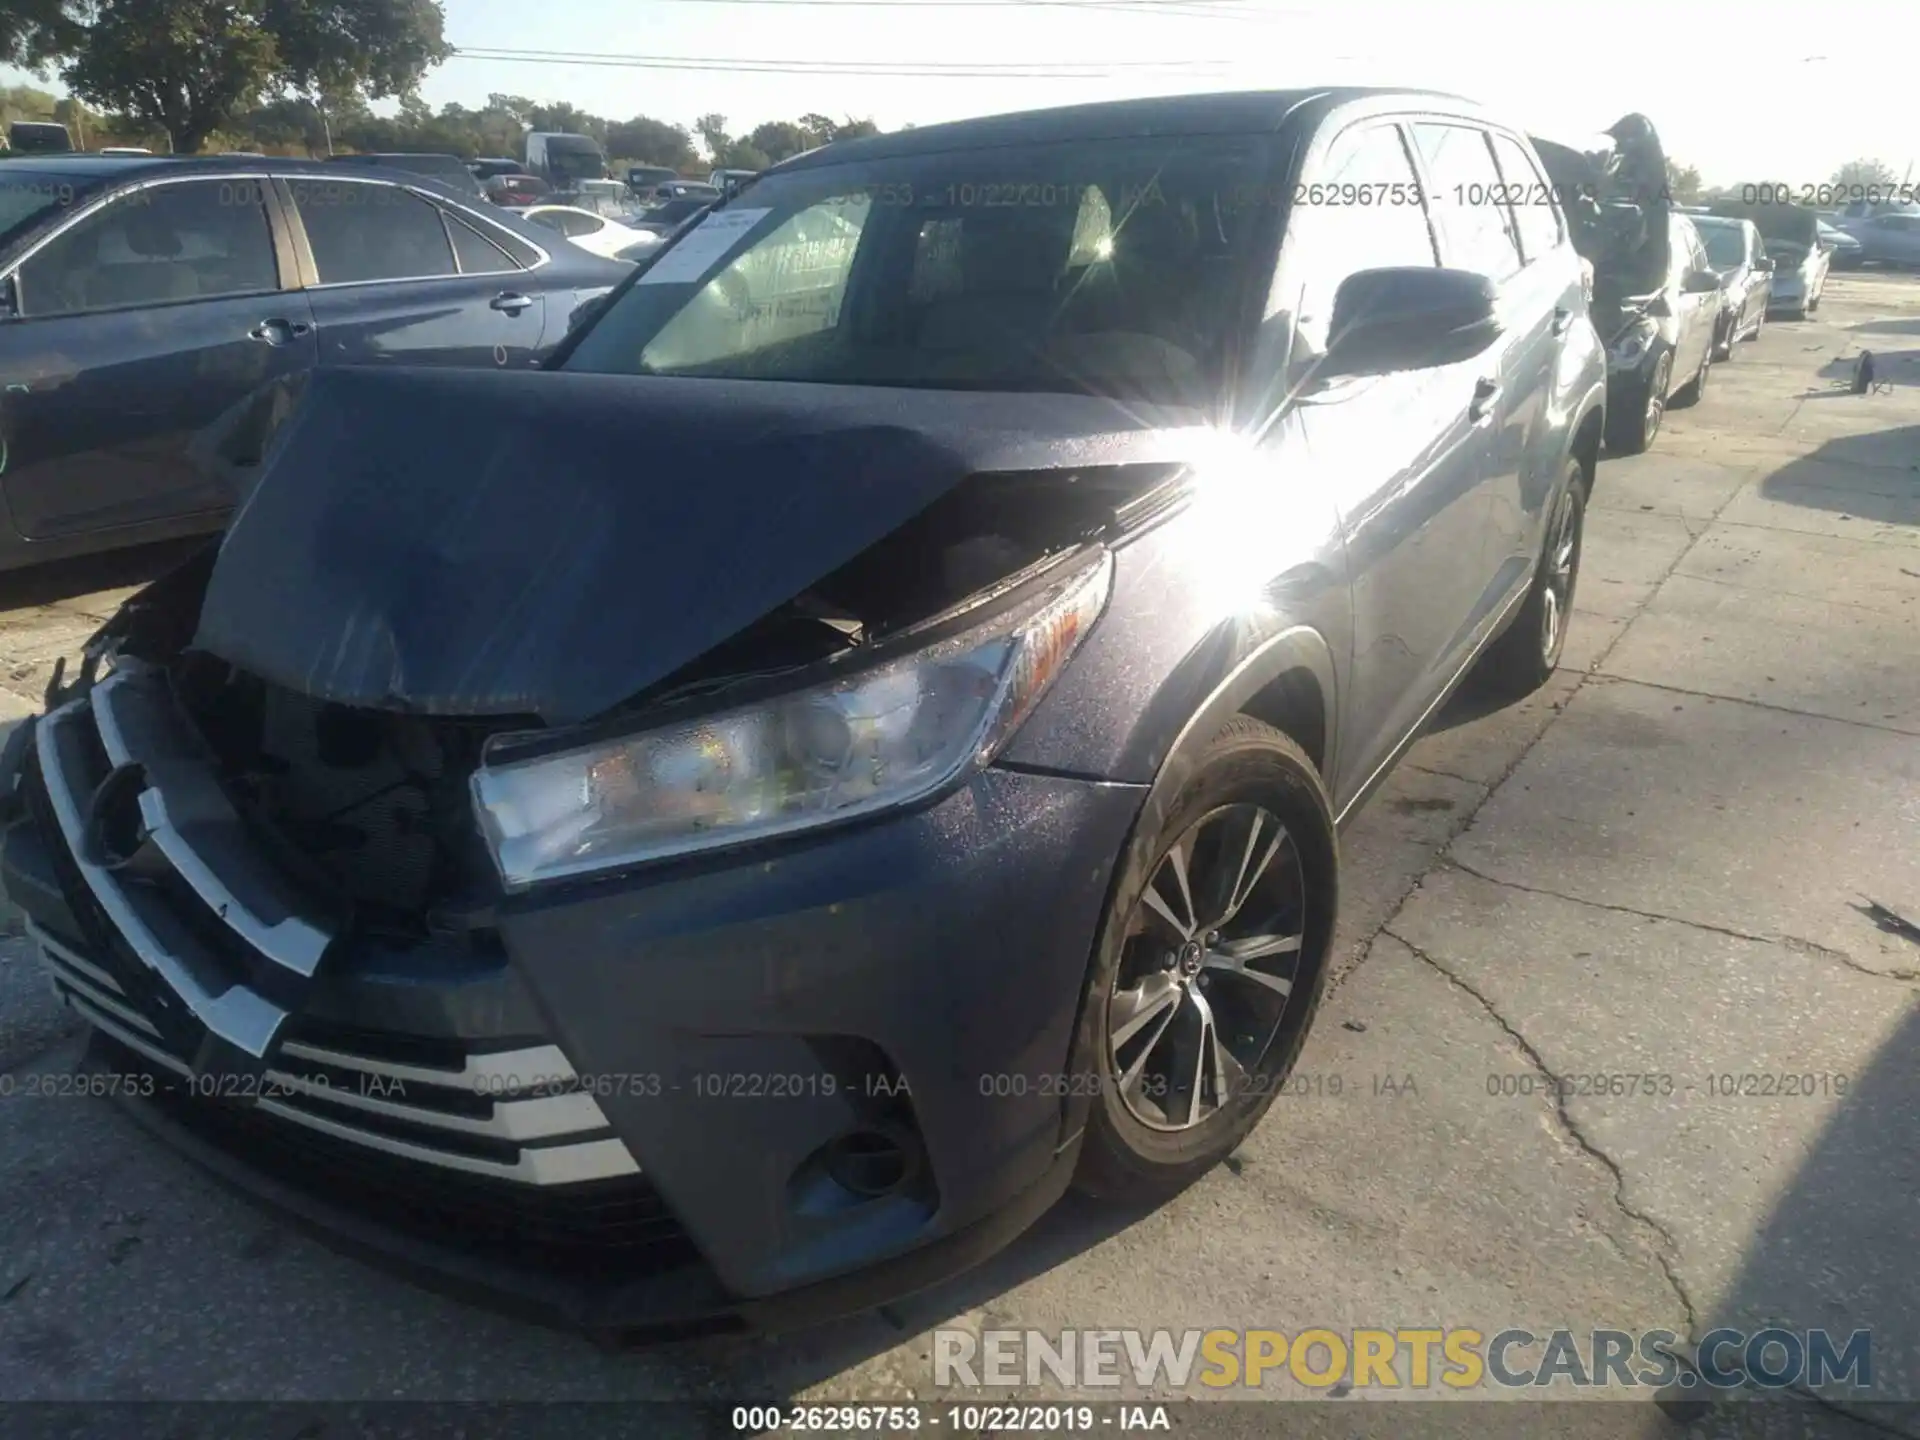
(602, 1230)
(196, 955)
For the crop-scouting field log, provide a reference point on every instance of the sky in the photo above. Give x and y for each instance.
(1741, 91)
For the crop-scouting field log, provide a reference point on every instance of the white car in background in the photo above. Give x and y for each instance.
(595, 233)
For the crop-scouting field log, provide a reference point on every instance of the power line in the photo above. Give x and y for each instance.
(1065, 70)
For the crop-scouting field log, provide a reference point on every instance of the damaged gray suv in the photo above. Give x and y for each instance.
(732, 825)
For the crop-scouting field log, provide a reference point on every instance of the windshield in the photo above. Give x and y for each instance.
(1103, 266)
(30, 196)
(1726, 246)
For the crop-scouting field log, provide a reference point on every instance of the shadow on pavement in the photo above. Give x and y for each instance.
(1874, 477)
(1839, 1249)
(68, 579)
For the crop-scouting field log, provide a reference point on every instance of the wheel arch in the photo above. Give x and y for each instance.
(1288, 680)
(1588, 432)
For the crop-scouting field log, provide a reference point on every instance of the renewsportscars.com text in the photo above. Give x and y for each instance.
(1456, 1357)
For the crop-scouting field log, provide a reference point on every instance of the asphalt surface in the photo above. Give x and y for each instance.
(1660, 866)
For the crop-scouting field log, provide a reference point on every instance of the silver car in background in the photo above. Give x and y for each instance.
(1739, 257)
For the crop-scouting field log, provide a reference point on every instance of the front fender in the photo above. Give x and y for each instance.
(1207, 609)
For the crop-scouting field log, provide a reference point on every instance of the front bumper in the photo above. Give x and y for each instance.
(615, 1104)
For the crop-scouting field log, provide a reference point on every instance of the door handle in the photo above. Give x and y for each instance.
(1562, 318)
(278, 331)
(1486, 395)
(511, 303)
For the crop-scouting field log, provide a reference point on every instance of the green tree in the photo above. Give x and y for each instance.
(371, 48)
(650, 142)
(192, 66)
(778, 139)
(742, 154)
(1683, 183)
(712, 130)
(1866, 174)
(569, 119)
(184, 65)
(34, 32)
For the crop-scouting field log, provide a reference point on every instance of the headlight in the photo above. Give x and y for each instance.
(1628, 349)
(886, 736)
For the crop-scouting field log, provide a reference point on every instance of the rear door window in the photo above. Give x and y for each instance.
(1469, 200)
(362, 231)
(195, 240)
(1535, 215)
(477, 254)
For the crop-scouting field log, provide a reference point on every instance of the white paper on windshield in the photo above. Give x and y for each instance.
(701, 247)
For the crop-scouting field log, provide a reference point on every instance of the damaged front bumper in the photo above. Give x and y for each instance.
(776, 1085)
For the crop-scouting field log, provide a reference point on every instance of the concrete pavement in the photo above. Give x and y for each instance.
(1657, 867)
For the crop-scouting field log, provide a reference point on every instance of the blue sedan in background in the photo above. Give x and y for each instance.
(144, 298)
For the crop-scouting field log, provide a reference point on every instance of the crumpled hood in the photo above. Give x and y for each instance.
(550, 544)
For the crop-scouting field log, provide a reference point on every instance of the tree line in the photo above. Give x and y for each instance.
(290, 75)
(1865, 179)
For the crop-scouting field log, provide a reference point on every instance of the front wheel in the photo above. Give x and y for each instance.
(1524, 657)
(1212, 960)
(1632, 426)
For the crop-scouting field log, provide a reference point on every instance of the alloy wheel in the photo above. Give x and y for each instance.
(1656, 398)
(1208, 967)
(1556, 596)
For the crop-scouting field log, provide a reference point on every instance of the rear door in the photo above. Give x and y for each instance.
(139, 324)
(1698, 313)
(1478, 232)
(396, 279)
(1543, 302)
(1400, 455)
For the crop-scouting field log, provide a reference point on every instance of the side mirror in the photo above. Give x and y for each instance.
(1700, 282)
(1412, 318)
(1764, 265)
(1658, 308)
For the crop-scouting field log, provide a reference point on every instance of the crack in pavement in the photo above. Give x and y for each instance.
(1465, 818)
(1787, 942)
(1445, 774)
(1839, 1407)
(1666, 1248)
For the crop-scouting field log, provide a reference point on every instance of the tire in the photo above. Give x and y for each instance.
(1525, 655)
(1631, 428)
(1759, 324)
(1151, 1131)
(1723, 344)
(1690, 393)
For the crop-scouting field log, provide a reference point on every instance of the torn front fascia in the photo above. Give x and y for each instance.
(155, 624)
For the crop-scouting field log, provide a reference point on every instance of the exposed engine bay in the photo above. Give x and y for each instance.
(367, 808)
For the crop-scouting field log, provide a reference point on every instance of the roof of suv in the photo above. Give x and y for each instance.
(1234, 112)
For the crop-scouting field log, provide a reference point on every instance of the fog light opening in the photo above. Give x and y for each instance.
(873, 1163)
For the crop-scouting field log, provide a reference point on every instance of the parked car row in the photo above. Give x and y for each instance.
(141, 298)
(855, 742)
